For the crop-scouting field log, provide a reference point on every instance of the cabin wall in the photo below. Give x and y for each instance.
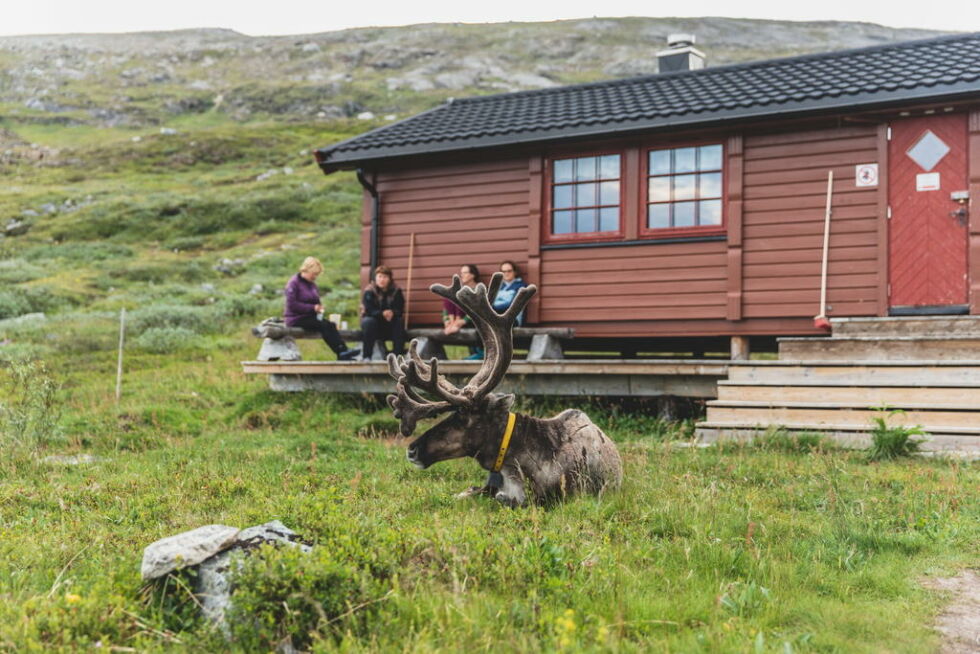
(785, 195)
(472, 213)
(763, 278)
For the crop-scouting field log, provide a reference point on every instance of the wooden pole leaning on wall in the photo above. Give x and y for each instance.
(119, 364)
(820, 320)
(408, 282)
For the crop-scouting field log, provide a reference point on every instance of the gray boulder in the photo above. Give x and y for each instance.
(186, 549)
(281, 349)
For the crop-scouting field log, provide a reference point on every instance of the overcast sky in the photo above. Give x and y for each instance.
(307, 16)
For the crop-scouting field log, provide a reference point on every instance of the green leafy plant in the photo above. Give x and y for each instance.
(164, 340)
(892, 442)
(29, 409)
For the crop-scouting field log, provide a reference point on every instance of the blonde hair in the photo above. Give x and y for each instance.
(311, 265)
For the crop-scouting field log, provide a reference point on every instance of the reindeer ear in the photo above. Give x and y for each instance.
(505, 401)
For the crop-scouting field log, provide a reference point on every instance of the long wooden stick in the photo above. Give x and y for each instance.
(820, 320)
(408, 283)
(119, 364)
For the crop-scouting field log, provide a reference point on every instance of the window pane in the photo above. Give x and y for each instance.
(609, 193)
(659, 162)
(658, 216)
(710, 185)
(563, 170)
(685, 187)
(585, 220)
(585, 195)
(684, 214)
(709, 212)
(563, 222)
(609, 167)
(609, 220)
(659, 189)
(585, 169)
(562, 196)
(709, 157)
(685, 160)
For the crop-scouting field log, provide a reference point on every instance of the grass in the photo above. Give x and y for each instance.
(789, 546)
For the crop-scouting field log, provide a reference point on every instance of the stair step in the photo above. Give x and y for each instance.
(853, 395)
(907, 326)
(896, 348)
(818, 416)
(847, 436)
(876, 373)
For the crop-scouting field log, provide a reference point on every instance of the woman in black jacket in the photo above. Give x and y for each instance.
(382, 309)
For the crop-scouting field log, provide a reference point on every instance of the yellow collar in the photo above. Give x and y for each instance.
(511, 420)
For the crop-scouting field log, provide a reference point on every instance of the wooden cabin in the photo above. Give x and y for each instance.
(688, 207)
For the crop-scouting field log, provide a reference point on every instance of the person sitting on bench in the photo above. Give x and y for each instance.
(382, 311)
(303, 308)
(508, 290)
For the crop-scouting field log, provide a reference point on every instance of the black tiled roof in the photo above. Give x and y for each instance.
(946, 67)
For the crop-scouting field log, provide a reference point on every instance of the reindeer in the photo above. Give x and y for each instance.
(552, 458)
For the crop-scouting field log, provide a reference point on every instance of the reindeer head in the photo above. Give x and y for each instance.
(477, 415)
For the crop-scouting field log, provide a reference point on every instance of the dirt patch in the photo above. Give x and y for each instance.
(959, 623)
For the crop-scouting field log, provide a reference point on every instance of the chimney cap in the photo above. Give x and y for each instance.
(680, 40)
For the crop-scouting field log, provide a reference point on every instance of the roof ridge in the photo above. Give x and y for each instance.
(758, 63)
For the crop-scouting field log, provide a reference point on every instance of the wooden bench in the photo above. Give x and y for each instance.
(542, 343)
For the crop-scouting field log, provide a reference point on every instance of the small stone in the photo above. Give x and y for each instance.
(287, 170)
(365, 115)
(168, 131)
(256, 289)
(208, 288)
(69, 460)
(186, 549)
(280, 349)
(136, 139)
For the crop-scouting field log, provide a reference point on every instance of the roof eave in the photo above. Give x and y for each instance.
(333, 162)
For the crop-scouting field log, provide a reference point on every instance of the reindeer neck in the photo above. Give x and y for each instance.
(488, 451)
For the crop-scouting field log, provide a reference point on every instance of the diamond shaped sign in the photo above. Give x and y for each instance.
(928, 151)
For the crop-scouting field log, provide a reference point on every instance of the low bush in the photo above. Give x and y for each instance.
(889, 443)
(17, 301)
(166, 340)
(78, 252)
(194, 319)
(284, 593)
(29, 407)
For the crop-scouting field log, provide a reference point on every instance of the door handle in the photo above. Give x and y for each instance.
(961, 215)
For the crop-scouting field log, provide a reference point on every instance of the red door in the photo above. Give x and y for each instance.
(927, 234)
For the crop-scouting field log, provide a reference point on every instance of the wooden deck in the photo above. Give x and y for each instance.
(621, 378)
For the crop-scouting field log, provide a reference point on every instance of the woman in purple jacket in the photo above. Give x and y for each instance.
(303, 308)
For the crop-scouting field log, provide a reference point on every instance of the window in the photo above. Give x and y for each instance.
(684, 188)
(585, 196)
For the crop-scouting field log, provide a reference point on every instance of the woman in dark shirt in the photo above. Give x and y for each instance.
(303, 308)
(382, 308)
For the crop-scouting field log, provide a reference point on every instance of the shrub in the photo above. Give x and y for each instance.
(284, 593)
(78, 252)
(165, 340)
(193, 319)
(889, 443)
(18, 301)
(29, 411)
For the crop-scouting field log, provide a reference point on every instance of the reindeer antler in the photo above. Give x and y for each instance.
(495, 330)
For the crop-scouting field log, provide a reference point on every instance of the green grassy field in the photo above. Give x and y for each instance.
(771, 548)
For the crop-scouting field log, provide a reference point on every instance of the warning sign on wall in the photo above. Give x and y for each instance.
(866, 174)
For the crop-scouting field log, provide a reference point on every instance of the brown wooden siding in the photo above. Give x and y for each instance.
(461, 213)
(763, 280)
(785, 184)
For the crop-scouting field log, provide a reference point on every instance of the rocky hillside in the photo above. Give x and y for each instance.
(152, 78)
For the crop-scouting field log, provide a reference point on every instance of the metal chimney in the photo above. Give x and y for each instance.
(680, 54)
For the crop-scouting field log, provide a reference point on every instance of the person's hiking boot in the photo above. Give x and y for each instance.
(348, 355)
(476, 356)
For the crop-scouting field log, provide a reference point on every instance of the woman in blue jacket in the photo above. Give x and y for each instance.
(508, 289)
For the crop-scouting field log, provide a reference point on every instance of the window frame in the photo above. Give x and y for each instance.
(549, 237)
(655, 233)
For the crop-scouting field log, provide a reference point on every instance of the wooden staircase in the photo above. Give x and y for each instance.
(928, 367)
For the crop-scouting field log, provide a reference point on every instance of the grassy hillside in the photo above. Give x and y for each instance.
(788, 547)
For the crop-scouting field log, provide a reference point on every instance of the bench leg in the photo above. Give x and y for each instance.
(544, 346)
(429, 348)
(279, 349)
